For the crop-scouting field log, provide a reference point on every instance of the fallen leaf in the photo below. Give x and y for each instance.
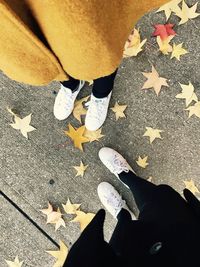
(164, 45)
(79, 110)
(15, 263)
(93, 135)
(164, 30)
(170, 7)
(191, 186)
(134, 45)
(187, 93)
(22, 124)
(187, 13)
(154, 81)
(119, 111)
(142, 162)
(70, 208)
(80, 169)
(91, 82)
(59, 255)
(77, 136)
(194, 110)
(150, 179)
(53, 217)
(153, 134)
(83, 219)
(178, 51)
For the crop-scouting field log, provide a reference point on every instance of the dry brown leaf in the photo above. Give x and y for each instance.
(194, 110)
(187, 93)
(142, 162)
(83, 219)
(154, 81)
(80, 169)
(59, 255)
(119, 111)
(23, 125)
(134, 45)
(70, 208)
(77, 136)
(53, 217)
(15, 263)
(93, 135)
(79, 109)
(191, 186)
(153, 133)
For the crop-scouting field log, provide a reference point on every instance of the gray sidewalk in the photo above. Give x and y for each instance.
(27, 167)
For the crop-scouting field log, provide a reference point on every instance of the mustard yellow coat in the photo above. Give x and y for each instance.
(45, 40)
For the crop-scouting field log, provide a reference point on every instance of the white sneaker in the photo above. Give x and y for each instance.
(114, 161)
(64, 102)
(111, 199)
(97, 112)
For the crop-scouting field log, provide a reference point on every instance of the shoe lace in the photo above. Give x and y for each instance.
(117, 166)
(96, 107)
(115, 202)
(66, 97)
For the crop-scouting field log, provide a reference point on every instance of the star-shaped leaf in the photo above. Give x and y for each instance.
(194, 110)
(70, 208)
(153, 133)
(178, 51)
(79, 110)
(15, 263)
(80, 169)
(164, 45)
(164, 30)
(83, 219)
(134, 45)
(22, 124)
(93, 135)
(119, 110)
(77, 136)
(187, 93)
(154, 81)
(59, 255)
(142, 162)
(187, 13)
(53, 217)
(191, 186)
(170, 7)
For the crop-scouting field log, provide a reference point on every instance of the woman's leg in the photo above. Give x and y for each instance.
(71, 83)
(104, 85)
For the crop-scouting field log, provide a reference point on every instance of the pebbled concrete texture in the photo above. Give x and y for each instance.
(28, 166)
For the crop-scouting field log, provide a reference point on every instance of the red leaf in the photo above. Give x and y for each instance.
(163, 30)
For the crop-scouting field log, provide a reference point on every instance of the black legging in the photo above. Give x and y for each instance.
(101, 87)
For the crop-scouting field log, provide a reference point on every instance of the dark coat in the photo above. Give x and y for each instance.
(170, 223)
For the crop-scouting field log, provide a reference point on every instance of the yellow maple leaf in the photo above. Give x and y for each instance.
(186, 12)
(153, 134)
(53, 217)
(187, 93)
(170, 7)
(79, 110)
(59, 255)
(154, 81)
(119, 111)
(134, 45)
(142, 162)
(178, 51)
(80, 169)
(194, 110)
(191, 186)
(70, 208)
(23, 125)
(77, 136)
(164, 45)
(90, 82)
(93, 135)
(83, 219)
(15, 263)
